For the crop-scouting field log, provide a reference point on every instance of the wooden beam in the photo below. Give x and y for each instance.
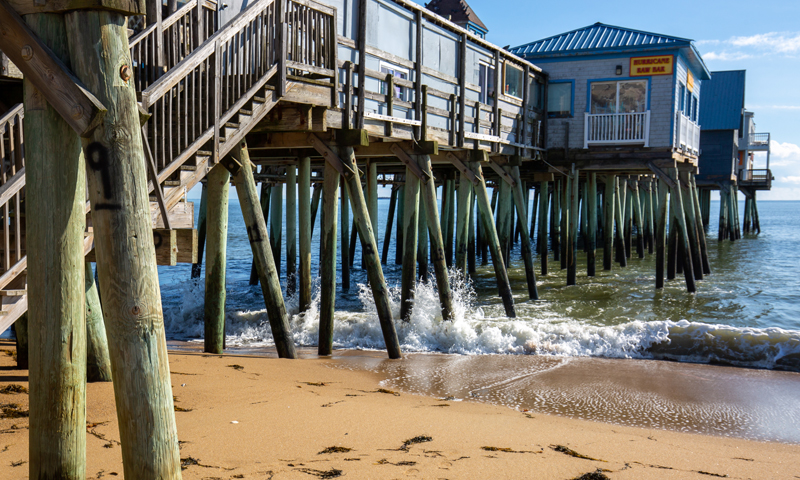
(330, 156)
(166, 243)
(125, 7)
(661, 175)
(287, 118)
(60, 87)
(502, 173)
(412, 166)
(186, 241)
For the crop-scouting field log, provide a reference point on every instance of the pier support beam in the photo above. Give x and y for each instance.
(661, 233)
(266, 191)
(304, 194)
(201, 231)
(347, 249)
(591, 208)
(428, 191)
(609, 202)
(291, 230)
(683, 233)
(544, 207)
(400, 231)
(501, 274)
(387, 236)
(522, 220)
(276, 223)
(638, 216)
(691, 225)
(98, 362)
(422, 241)
(465, 214)
(238, 162)
(327, 262)
(217, 238)
(125, 254)
(56, 192)
(619, 211)
(699, 226)
(410, 224)
(572, 225)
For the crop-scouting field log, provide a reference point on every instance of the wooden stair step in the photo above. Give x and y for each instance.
(244, 111)
(13, 293)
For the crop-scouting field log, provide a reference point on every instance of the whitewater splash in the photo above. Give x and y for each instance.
(477, 330)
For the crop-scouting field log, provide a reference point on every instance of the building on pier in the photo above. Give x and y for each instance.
(731, 150)
(620, 96)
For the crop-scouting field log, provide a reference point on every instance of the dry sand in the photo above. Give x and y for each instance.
(262, 418)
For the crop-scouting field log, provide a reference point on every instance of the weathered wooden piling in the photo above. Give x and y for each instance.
(21, 334)
(126, 261)
(572, 242)
(565, 208)
(722, 233)
(56, 192)
(661, 233)
(534, 213)
(347, 248)
(503, 222)
(609, 202)
(522, 217)
(638, 217)
(619, 210)
(369, 251)
(201, 231)
(544, 196)
(315, 205)
(555, 222)
(428, 191)
(291, 230)
(699, 226)
(217, 238)
(304, 194)
(276, 223)
(422, 240)
(683, 233)
(410, 225)
(98, 362)
(266, 191)
(327, 262)
(472, 250)
(501, 274)
(691, 225)
(465, 215)
(591, 208)
(400, 231)
(672, 245)
(387, 236)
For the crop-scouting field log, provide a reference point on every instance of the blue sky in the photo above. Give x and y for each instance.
(761, 37)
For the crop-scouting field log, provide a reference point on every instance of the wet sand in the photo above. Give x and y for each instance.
(288, 414)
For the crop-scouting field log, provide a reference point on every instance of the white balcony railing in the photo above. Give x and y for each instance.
(688, 134)
(757, 141)
(616, 128)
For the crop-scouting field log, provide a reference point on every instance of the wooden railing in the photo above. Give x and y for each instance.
(688, 133)
(616, 128)
(158, 48)
(755, 178)
(12, 196)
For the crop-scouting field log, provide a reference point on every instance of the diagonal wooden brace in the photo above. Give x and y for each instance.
(80, 109)
(459, 164)
(329, 156)
(410, 163)
(502, 173)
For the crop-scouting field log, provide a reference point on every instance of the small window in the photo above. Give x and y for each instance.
(559, 99)
(401, 93)
(694, 109)
(513, 83)
(486, 82)
(682, 98)
(534, 93)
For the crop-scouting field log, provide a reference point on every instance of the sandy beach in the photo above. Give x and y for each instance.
(258, 417)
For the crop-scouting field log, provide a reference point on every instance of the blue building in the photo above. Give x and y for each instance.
(618, 93)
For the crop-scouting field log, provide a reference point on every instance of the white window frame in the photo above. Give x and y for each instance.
(616, 99)
(401, 92)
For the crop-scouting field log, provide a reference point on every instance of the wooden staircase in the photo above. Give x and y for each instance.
(216, 87)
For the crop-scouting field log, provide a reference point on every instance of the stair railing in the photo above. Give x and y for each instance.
(12, 195)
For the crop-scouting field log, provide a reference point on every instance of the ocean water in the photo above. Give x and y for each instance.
(744, 314)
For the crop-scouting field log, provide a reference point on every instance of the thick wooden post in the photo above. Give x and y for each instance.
(422, 241)
(201, 232)
(347, 249)
(619, 211)
(291, 230)
(544, 196)
(353, 242)
(722, 233)
(699, 226)
(428, 191)
(471, 245)
(21, 332)
(387, 236)
(691, 225)
(534, 213)
(409, 223)
(463, 233)
(369, 251)
(400, 231)
(572, 242)
(327, 262)
(315, 205)
(126, 257)
(217, 238)
(627, 200)
(276, 223)
(757, 222)
(266, 191)
(609, 202)
(672, 246)
(304, 194)
(501, 274)
(98, 363)
(591, 223)
(503, 214)
(555, 220)
(449, 229)
(661, 233)
(239, 162)
(372, 197)
(522, 219)
(638, 216)
(683, 233)
(56, 192)
(565, 207)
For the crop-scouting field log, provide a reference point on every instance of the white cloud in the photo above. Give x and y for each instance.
(773, 107)
(795, 180)
(739, 48)
(784, 150)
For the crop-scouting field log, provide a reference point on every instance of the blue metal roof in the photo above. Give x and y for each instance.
(722, 102)
(601, 39)
(595, 37)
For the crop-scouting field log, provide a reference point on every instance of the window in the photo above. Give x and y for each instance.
(486, 82)
(534, 93)
(401, 93)
(619, 97)
(559, 99)
(694, 109)
(682, 98)
(513, 81)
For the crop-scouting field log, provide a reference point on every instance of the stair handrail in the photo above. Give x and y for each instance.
(175, 75)
(12, 181)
